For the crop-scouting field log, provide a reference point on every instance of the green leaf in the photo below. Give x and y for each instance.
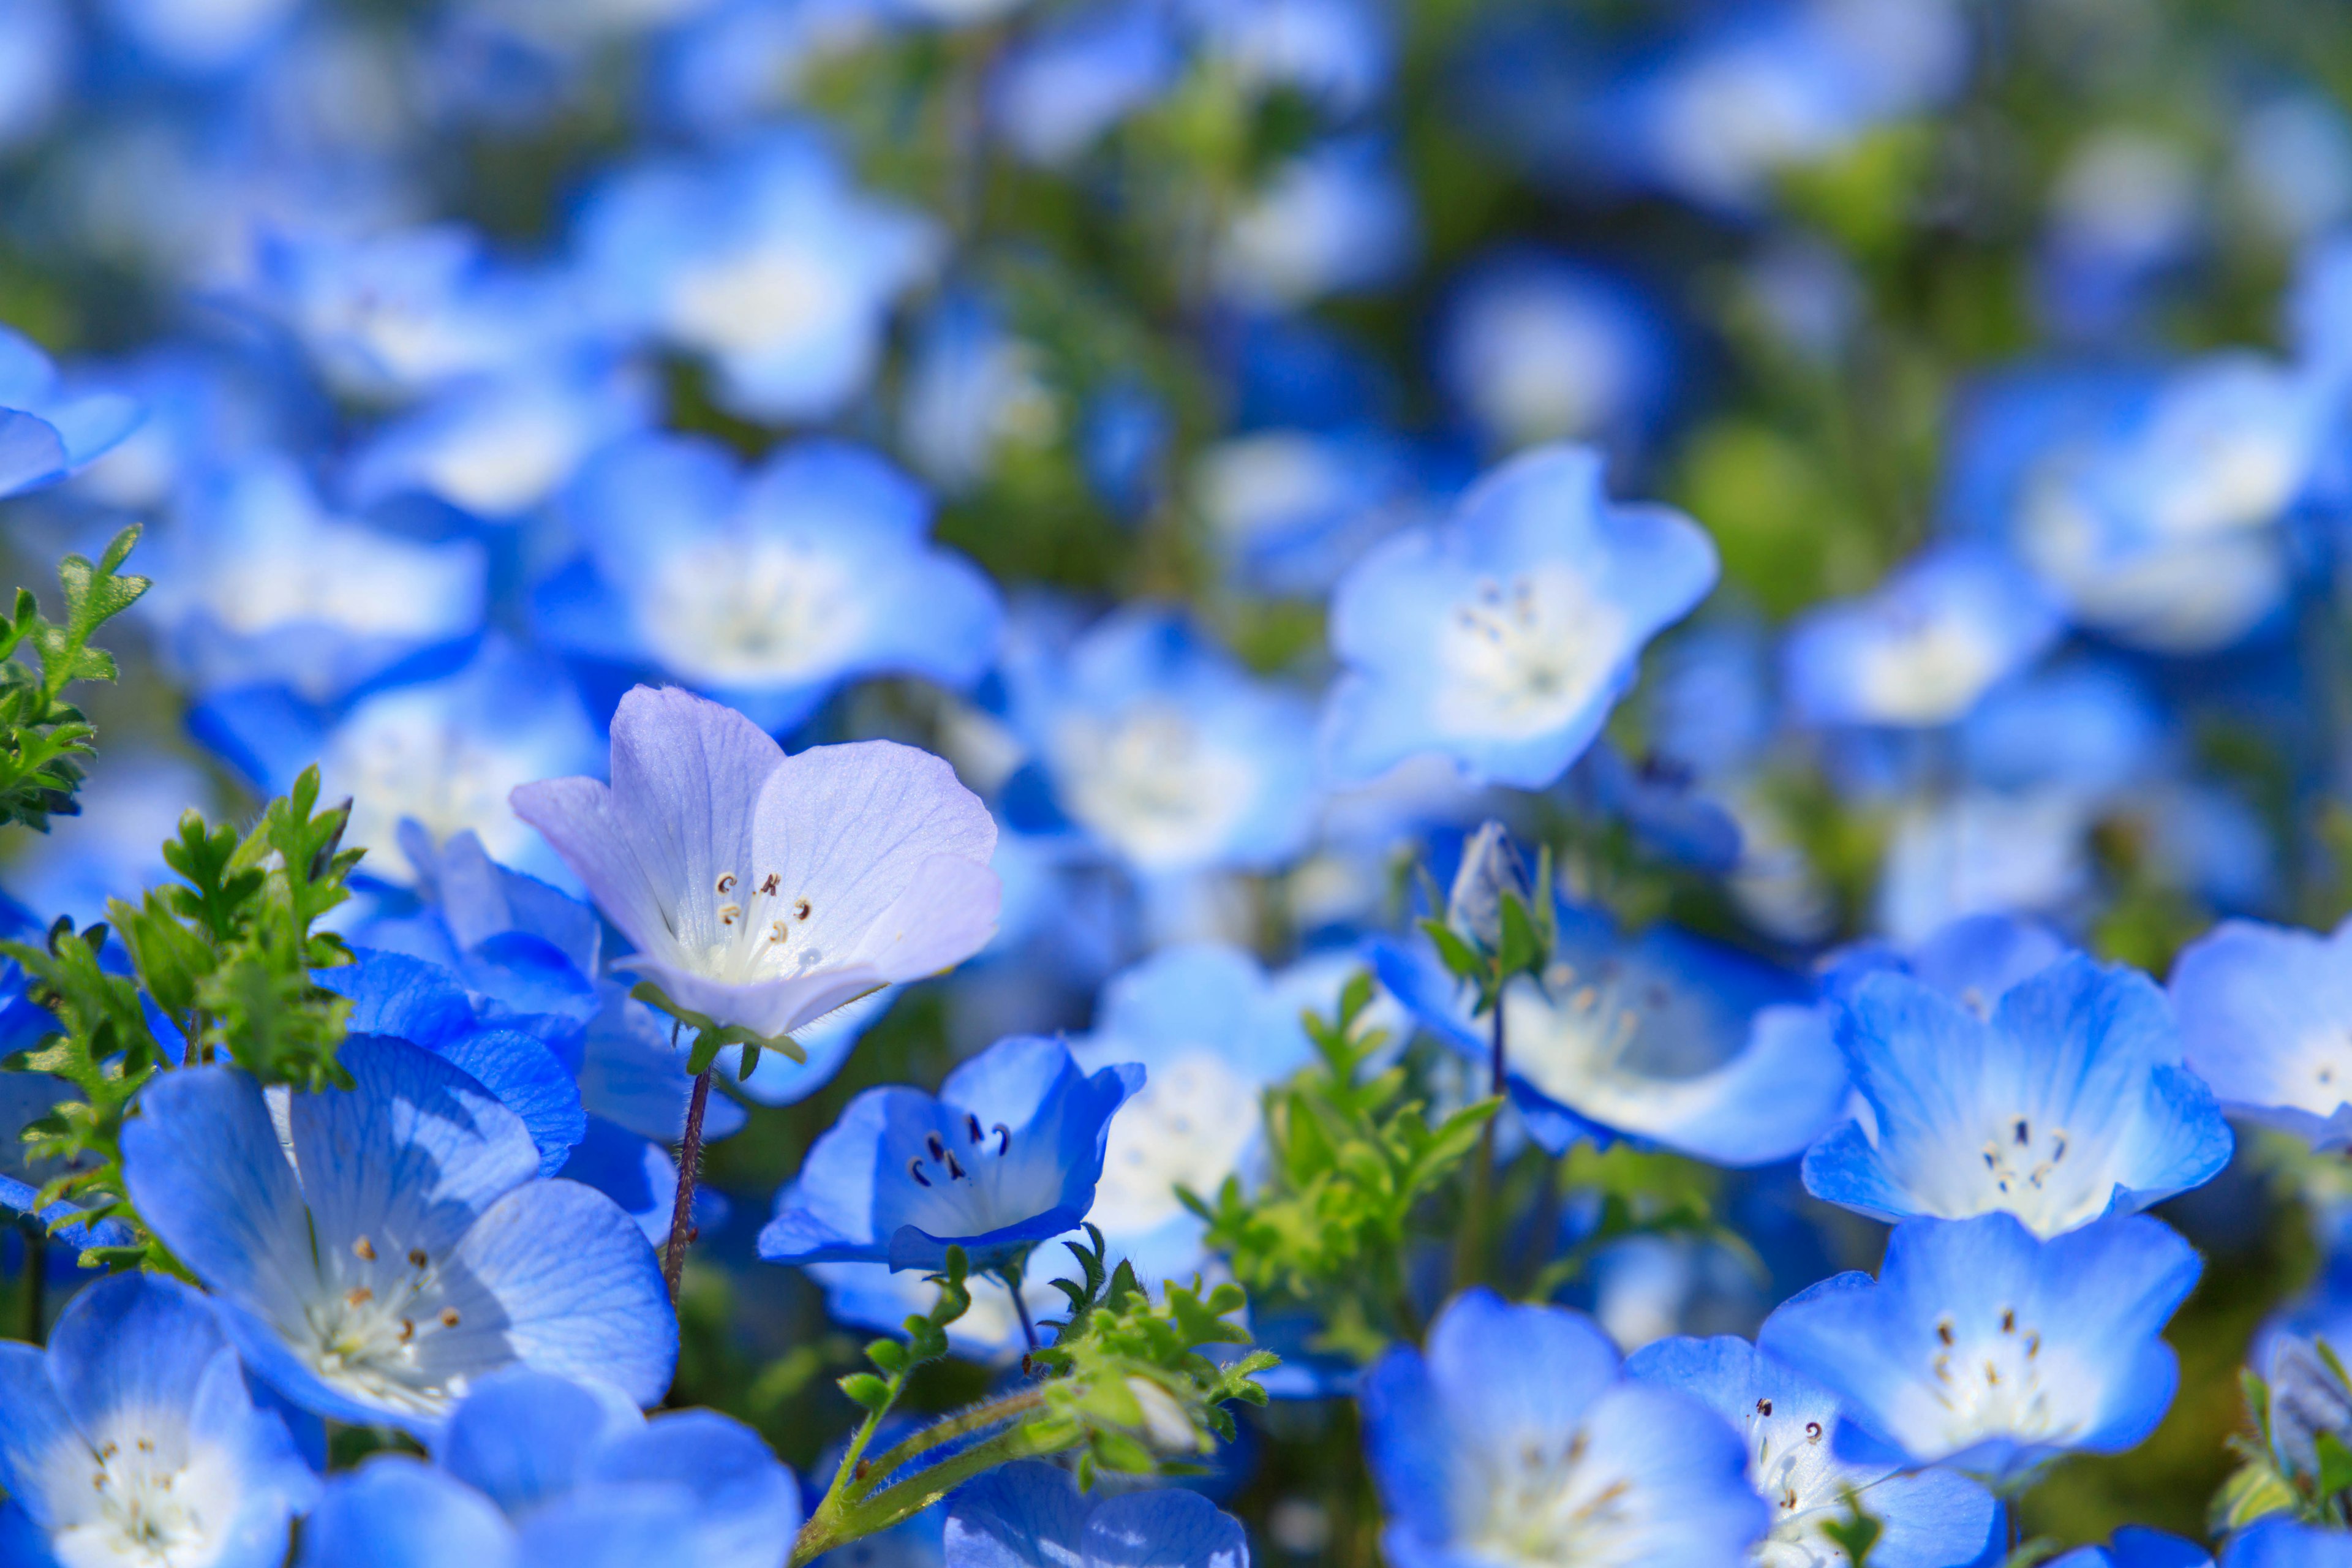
(713, 1036)
(1520, 952)
(1855, 1534)
(867, 1390)
(2335, 1464)
(1462, 961)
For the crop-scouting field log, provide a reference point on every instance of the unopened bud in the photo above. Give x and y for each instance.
(1490, 867)
(1166, 1427)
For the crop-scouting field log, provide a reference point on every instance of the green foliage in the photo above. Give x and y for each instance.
(1352, 1157)
(1641, 1193)
(1856, 1534)
(45, 740)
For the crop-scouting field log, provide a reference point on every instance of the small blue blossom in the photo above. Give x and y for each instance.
(1339, 54)
(1503, 639)
(496, 447)
(537, 1469)
(2283, 1542)
(201, 38)
(36, 54)
(1069, 80)
(1666, 1039)
(46, 431)
(974, 389)
(766, 261)
(406, 1250)
(257, 582)
(1982, 1348)
(1534, 347)
(1029, 1515)
(2136, 1546)
(135, 1440)
(1006, 1156)
(1984, 851)
(1932, 1519)
(1513, 1439)
(767, 590)
(1336, 219)
(1212, 1032)
(2265, 1011)
(2059, 1102)
(1163, 749)
(1939, 632)
(445, 752)
(762, 891)
(1973, 961)
(1291, 510)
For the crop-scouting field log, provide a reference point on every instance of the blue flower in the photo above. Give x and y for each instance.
(495, 447)
(258, 584)
(134, 1437)
(762, 891)
(2265, 1011)
(1534, 348)
(46, 433)
(2137, 1546)
(973, 388)
(1974, 961)
(1210, 1032)
(1163, 749)
(201, 38)
(25, 1098)
(405, 1251)
(1335, 219)
(766, 261)
(533, 1468)
(2066, 1102)
(1933, 1519)
(769, 590)
(1514, 1439)
(1065, 83)
(1503, 639)
(2281, 1542)
(1982, 1348)
(445, 752)
(1933, 639)
(1291, 510)
(113, 847)
(36, 43)
(1984, 851)
(873, 1295)
(1339, 54)
(1666, 1039)
(1029, 1515)
(1006, 1156)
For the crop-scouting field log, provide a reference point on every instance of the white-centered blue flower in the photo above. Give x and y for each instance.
(2064, 1101)
(1067, 81)
(768, 589)
(763, 890)
(1932, 1519)
(1512, 1439)
(2266, 1019)
(1336, 219)
(1938, 633)
(406, 1250)
(1503, 638)
(1534, 347)
(134, 1443)
(766, 261)
(1982, 1348)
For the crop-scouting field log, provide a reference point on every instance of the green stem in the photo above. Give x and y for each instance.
(837, 1522)
(690, 1169)
(1470, 1248)
(979, 1418)
(37, 1281)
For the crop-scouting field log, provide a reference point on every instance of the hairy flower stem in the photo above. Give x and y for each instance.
(845, 1517)
(1011, 1274)
(1470, 1248)
(37, 1281)
(690, 1168)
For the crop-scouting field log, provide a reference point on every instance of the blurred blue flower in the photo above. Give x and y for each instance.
(2062, 1101)
(201, 37)
(973, 388)
(1032, 1515)
(1503, 638)
(1291, 510)
(1335, 219)
(1211, 1033)
(2282, 1543)
(2266, 1019)
(444, 753)
(406, 1250)
(538, 1468)
(1931, 1518)
(113, 848)
(1534, 348)
(257, 582)
(766, 261)
(767, 590)
(1973, 962)
(46, 429)
(2294, 161)
(2126, 208)
(1339, 54)
(761, 890)
(1664, 1039)
(211, 405)
(1157, 743)
(1006, 1156)
(1926, 646)
(738, 62)
(37, 57)
(2136, 1546)
(1984, 851)
(1982, 1348)
(1070, 78)
(134, 1437)
(498, 447)
(2086, 725)
(1512, 1438)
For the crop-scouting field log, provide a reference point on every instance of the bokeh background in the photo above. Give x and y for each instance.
(456, 326)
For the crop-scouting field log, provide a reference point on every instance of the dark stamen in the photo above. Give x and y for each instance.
(972, 1123)
(955, 1172)
(2022, 1136)
(1003, 1138)
(915, 1169)
(937, 1145)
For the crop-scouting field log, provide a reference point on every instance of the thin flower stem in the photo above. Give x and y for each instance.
(833, 1524)
(690, 1168)
(37, 1281)
(979, 1418)
(1011, 1276)
(1470, 1249)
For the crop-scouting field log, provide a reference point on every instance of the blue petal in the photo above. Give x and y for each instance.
(523, 1438)
(1167, 1528)
(744, 1501)
(1018, 1516)
(527, 1079)
(398, 1512)
(40, 1452)
(203, 1164)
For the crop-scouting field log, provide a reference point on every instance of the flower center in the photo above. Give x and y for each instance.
(759, 298)
(763, 932)
(371, 1329)
(142, 1516)
(755, 612)
(1150, 782)
(1987, 1377)
(1552, 1506)
(1524, 656)
(1187, 1127)
(1931, 671)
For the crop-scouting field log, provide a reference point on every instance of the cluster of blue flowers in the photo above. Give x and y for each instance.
(1602, 747)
